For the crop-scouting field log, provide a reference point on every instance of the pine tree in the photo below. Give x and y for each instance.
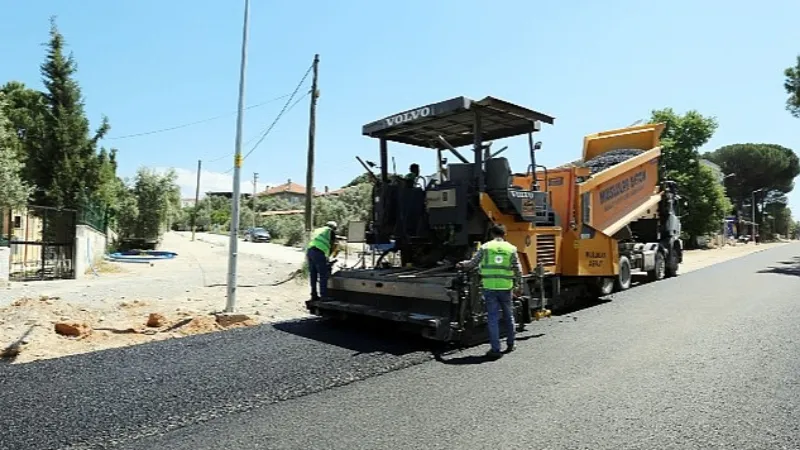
(67, 166)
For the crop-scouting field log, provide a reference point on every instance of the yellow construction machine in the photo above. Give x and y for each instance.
(581, 230)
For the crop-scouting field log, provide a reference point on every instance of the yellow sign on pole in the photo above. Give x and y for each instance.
(237, 160)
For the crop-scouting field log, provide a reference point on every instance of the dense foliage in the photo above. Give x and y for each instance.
(705, 202)
(792, 86)
(213, 213)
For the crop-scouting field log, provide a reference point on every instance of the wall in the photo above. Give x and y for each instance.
(5, 259)
(90, 247)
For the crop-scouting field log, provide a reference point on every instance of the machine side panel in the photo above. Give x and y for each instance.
(620, 190)
(534, 243)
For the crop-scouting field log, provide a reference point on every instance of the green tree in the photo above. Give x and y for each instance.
(127, 218)
(792, 86)
(707, 204)
(683, 135)
(756, 166)
(149, 206)
(14, 191)
(770, 167)
(66, 161)
(25, 109)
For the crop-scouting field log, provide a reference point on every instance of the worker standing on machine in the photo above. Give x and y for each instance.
(501, 274)
(412, 175)
(323, 240)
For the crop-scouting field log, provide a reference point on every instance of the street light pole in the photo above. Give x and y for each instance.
(237, 169)
(724, 220)
(753, 214)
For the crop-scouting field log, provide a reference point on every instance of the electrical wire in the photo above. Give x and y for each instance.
(162, 130)
(283, 111)
(273, 123)
(254, 137)
(286, 108)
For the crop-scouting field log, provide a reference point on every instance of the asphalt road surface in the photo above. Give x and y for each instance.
(706, 360)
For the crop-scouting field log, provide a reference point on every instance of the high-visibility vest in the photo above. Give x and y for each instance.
(321, 239)
(496, 271)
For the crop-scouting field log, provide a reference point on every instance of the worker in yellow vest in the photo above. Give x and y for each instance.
(322, 242)
(501, 274)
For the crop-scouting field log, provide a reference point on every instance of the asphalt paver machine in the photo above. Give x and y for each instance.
(581, 230)
(433, 225)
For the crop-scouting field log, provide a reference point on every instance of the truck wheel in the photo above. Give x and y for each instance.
(601, 286)
(672, 264)
(659, 272)
(623, 280)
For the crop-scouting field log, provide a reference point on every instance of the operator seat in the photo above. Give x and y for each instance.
(498, 183)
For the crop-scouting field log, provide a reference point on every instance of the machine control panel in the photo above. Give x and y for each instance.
(445, 198)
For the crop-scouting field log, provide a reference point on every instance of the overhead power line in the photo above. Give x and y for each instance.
(162, 130)
(283, 110)
(254, 137)
(286, 108)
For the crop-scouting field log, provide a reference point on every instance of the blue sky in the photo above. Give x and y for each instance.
(593, 65)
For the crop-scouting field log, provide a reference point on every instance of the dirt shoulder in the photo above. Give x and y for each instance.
(178, 297)
(697, 259)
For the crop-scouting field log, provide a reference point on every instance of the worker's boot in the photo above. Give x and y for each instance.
(493, 354)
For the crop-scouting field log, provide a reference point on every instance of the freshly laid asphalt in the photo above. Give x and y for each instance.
(709, 359)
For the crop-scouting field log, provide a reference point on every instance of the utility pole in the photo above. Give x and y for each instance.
(255, 190)
(310, 165)
(196, 199)
(753, 214)
(233, 247)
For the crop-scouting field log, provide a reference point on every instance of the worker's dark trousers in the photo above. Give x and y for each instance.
(318, 269)
(495, 301)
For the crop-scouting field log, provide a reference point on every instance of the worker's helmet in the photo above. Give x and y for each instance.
(331, 224)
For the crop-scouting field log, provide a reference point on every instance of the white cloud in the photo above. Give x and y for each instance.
(210, 182)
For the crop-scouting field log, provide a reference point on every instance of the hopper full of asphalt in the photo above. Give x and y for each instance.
(92, 400)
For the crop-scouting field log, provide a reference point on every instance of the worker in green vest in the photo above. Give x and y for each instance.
(500, 275)
(322, 242)
(412, 175)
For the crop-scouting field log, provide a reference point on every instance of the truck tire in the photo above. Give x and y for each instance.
(671, 269)
(601, 286)
(624, 278)
(659, 272)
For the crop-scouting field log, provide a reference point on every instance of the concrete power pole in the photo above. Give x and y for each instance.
(233, 247)
(196, 199)
(255, 191)
(309, 217)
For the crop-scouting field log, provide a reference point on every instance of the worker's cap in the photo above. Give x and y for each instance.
(331, 224)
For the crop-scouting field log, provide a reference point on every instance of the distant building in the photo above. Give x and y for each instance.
(327, 192)
(293, 193)
(186, 202)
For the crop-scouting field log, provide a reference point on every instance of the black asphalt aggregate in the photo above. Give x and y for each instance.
(705, 360)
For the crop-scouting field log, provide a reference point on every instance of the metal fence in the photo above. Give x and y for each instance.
(42, 241)
(95, 216)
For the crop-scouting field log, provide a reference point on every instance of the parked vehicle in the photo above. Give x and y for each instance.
(257, 235)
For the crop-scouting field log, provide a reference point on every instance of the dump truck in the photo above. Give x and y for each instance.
(581, 230)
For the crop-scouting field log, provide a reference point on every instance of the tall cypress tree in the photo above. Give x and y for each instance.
(67, 164)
